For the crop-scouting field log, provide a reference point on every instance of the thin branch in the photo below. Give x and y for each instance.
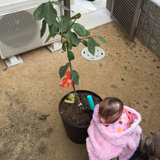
(87, 37)
(70, 66)
(71, 25)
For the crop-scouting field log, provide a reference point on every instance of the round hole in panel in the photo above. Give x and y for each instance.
(99, 54)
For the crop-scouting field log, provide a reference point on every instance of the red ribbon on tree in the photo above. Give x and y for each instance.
(66, 81)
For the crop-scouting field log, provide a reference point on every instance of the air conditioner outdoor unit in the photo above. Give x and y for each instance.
(18, 31)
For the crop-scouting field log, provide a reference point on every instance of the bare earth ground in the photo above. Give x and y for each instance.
(129, 71)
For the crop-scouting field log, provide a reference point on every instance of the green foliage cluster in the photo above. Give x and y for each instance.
(72, 33)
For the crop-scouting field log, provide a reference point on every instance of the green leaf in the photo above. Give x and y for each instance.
(63, 69)
(64, 18)
(79, 40)
(49, 13)
(70, 55)
(74, 76)
(85, 43)
(77, 16)
(65, 24)
(69, 41)
(54, 28)
(43, 117)
(74, 38)
(102, 39)
(38, 13)
(62, 6)
(5, 69)
(87, 33)
(113, 86)
(43, 29)
(64, 47)
(79, 29)
(49, 36)
(91, 45)
(68, 46)
(145, 106)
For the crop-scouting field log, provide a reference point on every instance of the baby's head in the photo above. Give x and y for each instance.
(110, 110)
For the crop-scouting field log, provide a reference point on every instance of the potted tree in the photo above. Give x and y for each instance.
(72, 34)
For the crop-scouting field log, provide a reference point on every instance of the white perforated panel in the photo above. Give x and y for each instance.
(98, 55)
(18, 32)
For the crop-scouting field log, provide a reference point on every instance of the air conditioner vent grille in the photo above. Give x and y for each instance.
(126, 16)
(17, 29)
(125, 12)
(18, 32)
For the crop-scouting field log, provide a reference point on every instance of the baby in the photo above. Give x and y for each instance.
(113, 115)
(113, 131)
(110, 110)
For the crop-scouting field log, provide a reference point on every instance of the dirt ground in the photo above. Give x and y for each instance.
(129, 71)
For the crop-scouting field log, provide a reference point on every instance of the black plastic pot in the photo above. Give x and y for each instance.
(77, 134)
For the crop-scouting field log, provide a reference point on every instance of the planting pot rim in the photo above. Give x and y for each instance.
(64, 98)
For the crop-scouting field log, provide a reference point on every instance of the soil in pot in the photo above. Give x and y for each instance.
(79, 115)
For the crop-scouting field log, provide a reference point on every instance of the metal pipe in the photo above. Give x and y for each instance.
(67, 4)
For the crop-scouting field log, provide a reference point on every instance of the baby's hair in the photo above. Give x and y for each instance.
(110, 106)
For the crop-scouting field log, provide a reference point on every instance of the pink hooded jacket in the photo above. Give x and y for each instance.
(104, 145)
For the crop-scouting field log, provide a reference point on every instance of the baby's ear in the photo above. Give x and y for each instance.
(103, 120)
